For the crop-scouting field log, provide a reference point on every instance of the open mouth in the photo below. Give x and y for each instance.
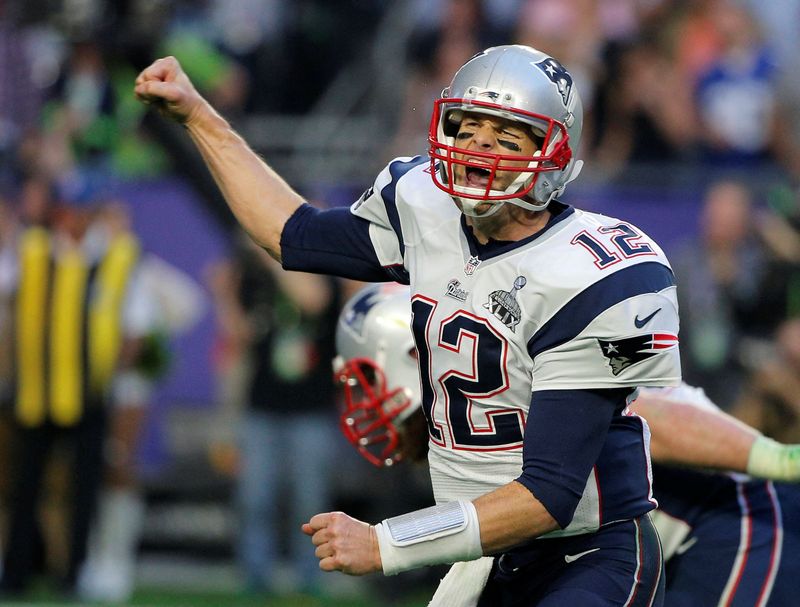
(477, 178)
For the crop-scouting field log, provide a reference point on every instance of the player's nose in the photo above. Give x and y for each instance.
(485, 137)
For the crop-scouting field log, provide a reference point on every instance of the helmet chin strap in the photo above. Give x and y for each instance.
(468, 205)
(547, 187)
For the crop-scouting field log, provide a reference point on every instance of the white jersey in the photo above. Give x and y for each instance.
(506, 325)
(587, 303)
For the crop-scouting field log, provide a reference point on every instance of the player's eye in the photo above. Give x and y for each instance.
(509, 145)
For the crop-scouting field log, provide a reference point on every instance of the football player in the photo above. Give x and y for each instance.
(516, 298)
(728, 538)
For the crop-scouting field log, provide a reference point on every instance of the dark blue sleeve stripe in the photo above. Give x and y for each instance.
(569, 321)
(389, 194)
(333, 242)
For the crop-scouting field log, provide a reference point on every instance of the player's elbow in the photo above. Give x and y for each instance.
(559, 500)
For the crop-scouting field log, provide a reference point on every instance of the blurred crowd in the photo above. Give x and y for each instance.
(709, 82)
(671, 88)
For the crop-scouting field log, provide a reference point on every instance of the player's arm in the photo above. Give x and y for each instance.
(685, 434)
(259, 198)
(509, 516)
(558, 458)
(445, 533)
(688, 434)
(564, 435)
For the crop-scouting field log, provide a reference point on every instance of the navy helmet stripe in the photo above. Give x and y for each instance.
(575, 316)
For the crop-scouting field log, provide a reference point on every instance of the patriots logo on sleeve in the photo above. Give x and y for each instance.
(624, 353)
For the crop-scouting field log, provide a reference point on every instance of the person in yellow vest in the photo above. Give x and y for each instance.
(74, 309)
(176, 304)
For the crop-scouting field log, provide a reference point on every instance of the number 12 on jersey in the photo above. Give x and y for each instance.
(623, 240)
(483, 351)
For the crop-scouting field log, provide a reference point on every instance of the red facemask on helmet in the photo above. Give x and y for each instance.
(370, 411)
(519, 84)
(553, 155)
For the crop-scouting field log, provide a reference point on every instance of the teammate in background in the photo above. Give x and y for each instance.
(728, 538)
(509, 284)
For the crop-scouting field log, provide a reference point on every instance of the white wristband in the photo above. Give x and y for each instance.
(773, 460)
(440, 534)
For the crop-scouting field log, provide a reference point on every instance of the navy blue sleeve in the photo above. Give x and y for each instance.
(335, 242)
(564, 434)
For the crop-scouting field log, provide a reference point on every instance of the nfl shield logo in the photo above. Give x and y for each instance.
(472, 265)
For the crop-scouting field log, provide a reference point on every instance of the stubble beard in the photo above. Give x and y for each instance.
(490, 226)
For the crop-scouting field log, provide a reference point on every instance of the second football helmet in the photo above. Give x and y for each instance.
(522, 84)
(376, 366)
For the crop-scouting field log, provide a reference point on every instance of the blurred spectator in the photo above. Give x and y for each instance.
(79, 114)
(253, 33)
(737, 93)
(37, 202)
(434, 56)
(318, 47)
(643, 112)
(647, 112)
(779, 229)
(170, 303)
(771, 397)
(779, 22)
(89, 124)
(72, 300)
(569, 30)
(718, 279)
(688, 32)
(19, 96)
(286, 323)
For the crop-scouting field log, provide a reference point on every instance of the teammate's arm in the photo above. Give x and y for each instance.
(683, 433)
(259, 198)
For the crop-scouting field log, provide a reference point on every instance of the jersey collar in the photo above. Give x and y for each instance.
(494, 248)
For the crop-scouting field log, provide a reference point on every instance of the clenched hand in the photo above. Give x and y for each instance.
(166, 85)
(344, 543)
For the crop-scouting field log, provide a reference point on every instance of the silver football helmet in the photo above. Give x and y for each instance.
(517, 83)
(376, 366)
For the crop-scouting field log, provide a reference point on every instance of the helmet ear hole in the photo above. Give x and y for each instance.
(452, 122)
(538, 138)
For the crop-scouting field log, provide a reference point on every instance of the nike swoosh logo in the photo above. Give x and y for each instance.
(574, 557)
(640, 322)
(686, 545)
